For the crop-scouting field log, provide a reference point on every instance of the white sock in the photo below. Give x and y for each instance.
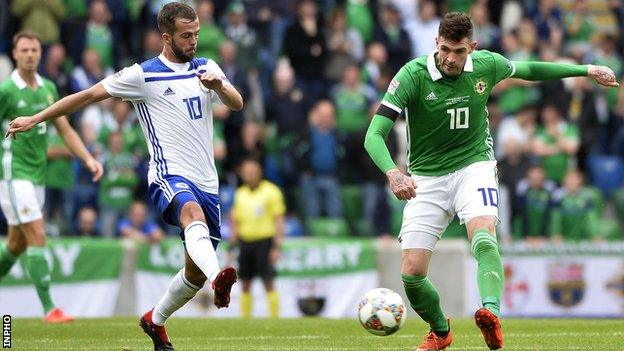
(180, 291)
(199, 248)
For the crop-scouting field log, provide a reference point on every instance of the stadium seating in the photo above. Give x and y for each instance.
(606, 173)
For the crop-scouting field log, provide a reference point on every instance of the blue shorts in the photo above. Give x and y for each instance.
(169, 195)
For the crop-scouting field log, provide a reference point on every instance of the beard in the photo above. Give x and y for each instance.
(179, 53)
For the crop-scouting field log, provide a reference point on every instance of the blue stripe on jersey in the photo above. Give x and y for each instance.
(149, 136)
(152, 138)
(154, 65)
(162, 157)
(156, 79)
(196, 62)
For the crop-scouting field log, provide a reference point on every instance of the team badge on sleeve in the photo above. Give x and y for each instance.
(480, 86)
(394, 84)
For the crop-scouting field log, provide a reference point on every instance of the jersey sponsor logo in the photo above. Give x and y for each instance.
(21, 104)
(431, 96)
(480, 86)
(181, 185)
(50, 99)
(169, 91)
(394, 84)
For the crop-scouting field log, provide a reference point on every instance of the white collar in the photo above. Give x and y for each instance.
(436, 74)
(20, 83)
(176, 67)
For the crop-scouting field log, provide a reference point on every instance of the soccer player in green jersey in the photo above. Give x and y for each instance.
(23, 168)
(451, 163)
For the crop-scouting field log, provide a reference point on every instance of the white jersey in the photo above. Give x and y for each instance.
(175, 113)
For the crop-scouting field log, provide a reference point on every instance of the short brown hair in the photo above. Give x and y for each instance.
(28, 34)
(172, 11)
(455, 26)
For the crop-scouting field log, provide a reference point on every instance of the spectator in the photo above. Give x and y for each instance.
(595, 135)
(286, 109)
(344, 45)
(423, 28)
(89, 72)
(556, 143)
(59, 181)
(573, 216)
(533, 203)
(87, 223)
(353, 100)
(319, 151)
(125, 122)
(118, 184)
(152, 45)
(485, 33)
(579, 30)
(249, 145)
(517, 130)
(360, 17)
(548, 19)
(243, 36)
(54, 68)
(376, 62)
(42, 17)
(306, 48)
(138, 227)
(396, 40)
(258, 228)
(210, 34)
(98, 36)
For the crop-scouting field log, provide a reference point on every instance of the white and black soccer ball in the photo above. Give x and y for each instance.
(382, 312)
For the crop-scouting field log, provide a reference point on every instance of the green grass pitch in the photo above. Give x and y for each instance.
(309, 334)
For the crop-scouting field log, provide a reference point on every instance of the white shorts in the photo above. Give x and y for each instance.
(468, 192)
(21, 201)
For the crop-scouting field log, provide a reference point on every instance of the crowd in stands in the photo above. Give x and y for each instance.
(311, 74)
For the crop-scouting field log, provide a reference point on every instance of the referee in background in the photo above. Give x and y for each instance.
(258, 227)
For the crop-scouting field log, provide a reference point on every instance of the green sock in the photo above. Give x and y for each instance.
(7, 259)
(39, 272)
(490, 273)
(425, 300)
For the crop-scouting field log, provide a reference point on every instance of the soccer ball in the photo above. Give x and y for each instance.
(382, 312)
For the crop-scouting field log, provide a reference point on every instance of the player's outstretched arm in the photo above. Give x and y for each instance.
(548, 70)
(63, 107)
(77, 147)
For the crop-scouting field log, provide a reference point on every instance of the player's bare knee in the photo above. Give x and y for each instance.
(482, 222)
(191, 212)
(411, 266)
(17, 247)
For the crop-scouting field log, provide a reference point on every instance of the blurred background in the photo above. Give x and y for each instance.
(311, 74)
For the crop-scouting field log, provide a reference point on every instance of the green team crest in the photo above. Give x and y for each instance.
(480, 86)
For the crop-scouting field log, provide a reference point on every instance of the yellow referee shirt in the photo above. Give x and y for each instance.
(255, 210)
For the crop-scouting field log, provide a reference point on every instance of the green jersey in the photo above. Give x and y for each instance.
(447, 119)
(573, 216)
(534, 209)
(26, 156)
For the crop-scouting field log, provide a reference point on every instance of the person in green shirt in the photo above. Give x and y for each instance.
(555, 142)
(573, 214)
(23, 168)
(534, 205)
(451, 163)
(118, 184)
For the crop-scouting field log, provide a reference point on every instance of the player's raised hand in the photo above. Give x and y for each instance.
(403, 186)
(211, 81)
(20, 124)
(95, 168)
(602, 75)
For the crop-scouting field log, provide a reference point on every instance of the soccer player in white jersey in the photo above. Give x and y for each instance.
(172, 94)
